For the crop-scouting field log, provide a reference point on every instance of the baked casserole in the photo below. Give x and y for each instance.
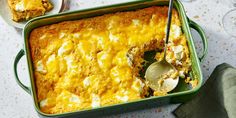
(97, 61)
(26, 9)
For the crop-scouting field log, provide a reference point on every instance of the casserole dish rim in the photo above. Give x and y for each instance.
(184, 20)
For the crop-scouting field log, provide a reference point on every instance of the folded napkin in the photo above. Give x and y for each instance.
(216, 98)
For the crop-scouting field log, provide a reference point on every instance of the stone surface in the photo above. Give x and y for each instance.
(16, 103)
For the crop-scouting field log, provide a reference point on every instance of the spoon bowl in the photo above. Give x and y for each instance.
(154, 76)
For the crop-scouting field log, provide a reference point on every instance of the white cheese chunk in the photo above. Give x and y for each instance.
(64, 48)
(117, 80)
(103, 59)
(178, 62)
(113, 37)
(75, 98)
(76, 35)
(181, 74)
(177, 49)
(43, 37)
(43, 103)
(40, 67)
(20, 6)
(62, 35)
(175, 31)
(169, 60)
(95, 101)
(178, 52)
(138, 85)
(136, 22)
(122, 98)
(61, 51)
(69, 63)
(86, 82)
(51, 59)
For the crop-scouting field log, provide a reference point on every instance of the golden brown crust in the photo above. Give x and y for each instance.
(106, 50)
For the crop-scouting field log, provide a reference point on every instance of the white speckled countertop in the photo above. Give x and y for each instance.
(16, 103)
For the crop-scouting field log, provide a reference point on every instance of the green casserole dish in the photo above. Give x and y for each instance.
(182, 92)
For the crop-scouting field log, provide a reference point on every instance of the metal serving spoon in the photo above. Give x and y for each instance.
(156, 70)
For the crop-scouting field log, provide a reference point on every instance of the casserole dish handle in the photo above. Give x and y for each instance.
(196, 27)
(20, 54)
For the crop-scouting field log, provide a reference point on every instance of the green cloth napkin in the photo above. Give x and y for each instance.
(216, 98)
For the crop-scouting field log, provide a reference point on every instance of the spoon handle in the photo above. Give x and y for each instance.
(168, 26)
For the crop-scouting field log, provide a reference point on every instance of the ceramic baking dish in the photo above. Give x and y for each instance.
(182, 92)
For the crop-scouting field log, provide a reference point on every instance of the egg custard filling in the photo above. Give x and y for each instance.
(97, 61)
(27, 9)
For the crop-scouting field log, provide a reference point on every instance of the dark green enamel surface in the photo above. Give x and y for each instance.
(180, 94)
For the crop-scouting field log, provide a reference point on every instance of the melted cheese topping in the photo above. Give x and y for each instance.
(24, 5)
(95, 62)
(33, 4)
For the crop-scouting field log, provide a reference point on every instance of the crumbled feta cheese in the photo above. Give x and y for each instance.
(43, 103)
(51, 58)
(135, 22)
(75, 98)
(122, 98)
(20, 6)
(178, 52)
(42, 37)
(65, 48)
(138, 85)
(76, 35)
(69, 62)
(179, 56)
(178, 62)
(117, 80)
(62, 34)
(181, 74)
(40, 67)
(101, 57)
(177, 49)
(95, 101)
(169, 60)
(113, 37)
(61, 50)
(86, 82)
(175, 31)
